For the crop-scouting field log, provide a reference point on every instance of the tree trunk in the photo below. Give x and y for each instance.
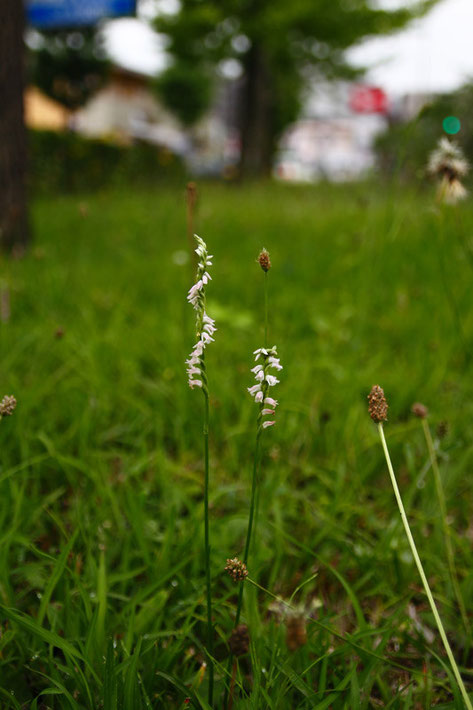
(14, 231)
(256, 119)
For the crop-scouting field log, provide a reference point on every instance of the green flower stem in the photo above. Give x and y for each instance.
(254, 489)
(207, 548)
(265, 309)
(446, 529)
(420, 568)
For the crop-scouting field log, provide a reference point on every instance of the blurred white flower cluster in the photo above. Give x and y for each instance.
(448, 164)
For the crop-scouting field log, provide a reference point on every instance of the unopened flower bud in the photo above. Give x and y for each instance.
(264, 260)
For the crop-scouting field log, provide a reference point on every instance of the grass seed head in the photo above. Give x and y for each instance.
(264, 260)
(378, 407)
(236, 569)
(7, 405)
(239, 641)
(419, 410)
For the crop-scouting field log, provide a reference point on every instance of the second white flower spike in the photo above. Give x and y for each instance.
(265, 380)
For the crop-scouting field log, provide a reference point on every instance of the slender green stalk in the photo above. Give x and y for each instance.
(207, 547)
(254, 487)
(420, 569)
(266, 321)
(446, 529)
(265, 309)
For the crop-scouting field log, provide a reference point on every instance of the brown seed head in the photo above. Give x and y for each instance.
(236, 569)
(264, 260)
(296, 631)
(239, 640)
(7, 405)
(378, 407)
(442, 430)
(419, 410)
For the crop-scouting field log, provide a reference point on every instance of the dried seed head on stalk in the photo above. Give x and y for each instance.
(239, 641)
(378, 407)
(419, 410)
(264, 260)
(7, 405)
(236, 569)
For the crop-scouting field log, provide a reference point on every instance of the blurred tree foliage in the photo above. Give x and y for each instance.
(68, 65)
(186, 90)
(278, 46)
(403, 149)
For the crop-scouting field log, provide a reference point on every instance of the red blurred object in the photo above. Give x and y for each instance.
(368, 99)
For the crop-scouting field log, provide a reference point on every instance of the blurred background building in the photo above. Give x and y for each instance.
(120, 97)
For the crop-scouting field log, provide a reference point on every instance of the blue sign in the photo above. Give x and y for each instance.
(57, 14)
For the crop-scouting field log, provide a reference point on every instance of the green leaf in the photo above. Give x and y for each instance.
(55, 577)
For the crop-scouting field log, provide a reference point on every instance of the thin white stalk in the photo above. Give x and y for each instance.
(420, 568)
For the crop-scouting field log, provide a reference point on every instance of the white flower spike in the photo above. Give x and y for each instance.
(264, 380)
(205, 326)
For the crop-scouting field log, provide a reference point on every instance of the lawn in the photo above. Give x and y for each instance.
(102, 580)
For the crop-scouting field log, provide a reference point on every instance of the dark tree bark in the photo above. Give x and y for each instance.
(256, 120)
(14, 231)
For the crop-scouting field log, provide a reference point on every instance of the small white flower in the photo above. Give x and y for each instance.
(195, 383)
(206, 338)
(272, 402)
(259, 376)
(271, 380)
(265, 412)
(210, 329)
(260, 351)
(253, 390)
(265, 425)
(256, 369)
(259, 397)
(275, 362)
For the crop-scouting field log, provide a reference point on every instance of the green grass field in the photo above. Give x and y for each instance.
(101, 540)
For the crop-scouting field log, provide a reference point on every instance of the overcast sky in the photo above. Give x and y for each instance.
(434, 54)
